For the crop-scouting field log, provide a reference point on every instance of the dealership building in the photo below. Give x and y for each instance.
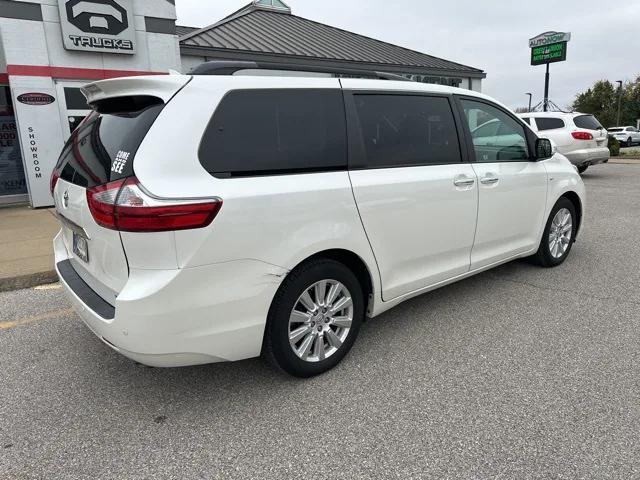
(50, 48)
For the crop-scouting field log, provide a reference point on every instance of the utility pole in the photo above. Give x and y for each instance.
(546, 90)
(619, 82)
(530, 97)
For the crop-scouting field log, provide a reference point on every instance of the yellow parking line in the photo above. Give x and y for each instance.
(36, 318)
(49, 286)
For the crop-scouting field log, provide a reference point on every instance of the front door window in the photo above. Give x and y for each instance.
(496, 136)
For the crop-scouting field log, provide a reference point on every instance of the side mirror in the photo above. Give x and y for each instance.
(545, 149)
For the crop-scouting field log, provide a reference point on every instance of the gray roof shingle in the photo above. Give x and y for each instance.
(280, 33)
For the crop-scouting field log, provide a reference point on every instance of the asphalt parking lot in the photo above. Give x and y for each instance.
(520, 373)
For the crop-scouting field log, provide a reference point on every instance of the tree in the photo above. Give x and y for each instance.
(601, 100)
(631, 103)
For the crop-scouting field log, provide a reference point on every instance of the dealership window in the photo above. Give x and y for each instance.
(264, 132)
(12, 180)
(75, 99)
(497, 137)
(406, 131)
(549, 123)
(76, 105)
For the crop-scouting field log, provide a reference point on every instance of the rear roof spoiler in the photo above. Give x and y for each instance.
(163, 87)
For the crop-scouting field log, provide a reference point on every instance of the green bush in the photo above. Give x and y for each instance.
(614, 147)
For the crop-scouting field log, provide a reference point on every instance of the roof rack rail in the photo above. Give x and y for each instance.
(228, 67)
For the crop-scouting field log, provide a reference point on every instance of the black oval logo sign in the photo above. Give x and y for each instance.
(36, 98)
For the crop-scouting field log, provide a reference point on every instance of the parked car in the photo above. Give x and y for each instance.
(214, 216)
(627, 136)
(578, 136)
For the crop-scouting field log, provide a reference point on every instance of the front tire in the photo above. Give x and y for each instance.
(559, 234)
(629, 142)
(314, 319)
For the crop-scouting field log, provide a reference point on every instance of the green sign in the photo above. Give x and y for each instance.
(555, 52)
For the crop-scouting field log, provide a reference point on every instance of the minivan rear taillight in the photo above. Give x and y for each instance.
(55, 176)
(123, 205)
(582, 135)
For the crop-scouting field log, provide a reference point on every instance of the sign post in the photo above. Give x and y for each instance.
(546, 48)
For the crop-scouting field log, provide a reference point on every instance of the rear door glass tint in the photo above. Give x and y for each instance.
(549, 123)
(406, 130)
(268, 132)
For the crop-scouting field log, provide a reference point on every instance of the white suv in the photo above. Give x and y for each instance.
(217, 216)
(627, 136)
(578, 137)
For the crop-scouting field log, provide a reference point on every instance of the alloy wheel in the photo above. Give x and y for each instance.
(320, 320)
(560, 233)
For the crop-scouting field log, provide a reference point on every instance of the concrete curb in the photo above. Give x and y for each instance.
(27, 281)
(625, 160)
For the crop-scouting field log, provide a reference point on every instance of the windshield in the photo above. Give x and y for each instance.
(616, 129)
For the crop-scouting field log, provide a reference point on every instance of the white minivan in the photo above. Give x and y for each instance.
(230, 213)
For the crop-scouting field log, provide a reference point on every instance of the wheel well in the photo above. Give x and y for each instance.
(355, 264)
(575, 199)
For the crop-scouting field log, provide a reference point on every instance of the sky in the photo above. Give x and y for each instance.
(489, 34)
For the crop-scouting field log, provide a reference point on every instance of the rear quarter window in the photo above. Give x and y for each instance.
(588, 122)
(270, 132)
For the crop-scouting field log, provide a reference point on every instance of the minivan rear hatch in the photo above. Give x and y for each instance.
(101, 150)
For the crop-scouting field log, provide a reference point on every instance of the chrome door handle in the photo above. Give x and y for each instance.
(489, 180)
(464, 182)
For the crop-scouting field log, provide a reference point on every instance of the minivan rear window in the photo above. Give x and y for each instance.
(588, 122)
(102, 147)
(271, 132)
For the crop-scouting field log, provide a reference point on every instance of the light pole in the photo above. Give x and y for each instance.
(530, 97)
(619, 82)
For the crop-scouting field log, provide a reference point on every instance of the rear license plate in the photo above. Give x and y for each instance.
(81, 247)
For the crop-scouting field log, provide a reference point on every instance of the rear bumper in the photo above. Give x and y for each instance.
(173, 318)
(591, 156)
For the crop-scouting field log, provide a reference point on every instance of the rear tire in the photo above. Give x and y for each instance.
(582, 168)
(629, 142)
(558, 236)
(314, 319)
